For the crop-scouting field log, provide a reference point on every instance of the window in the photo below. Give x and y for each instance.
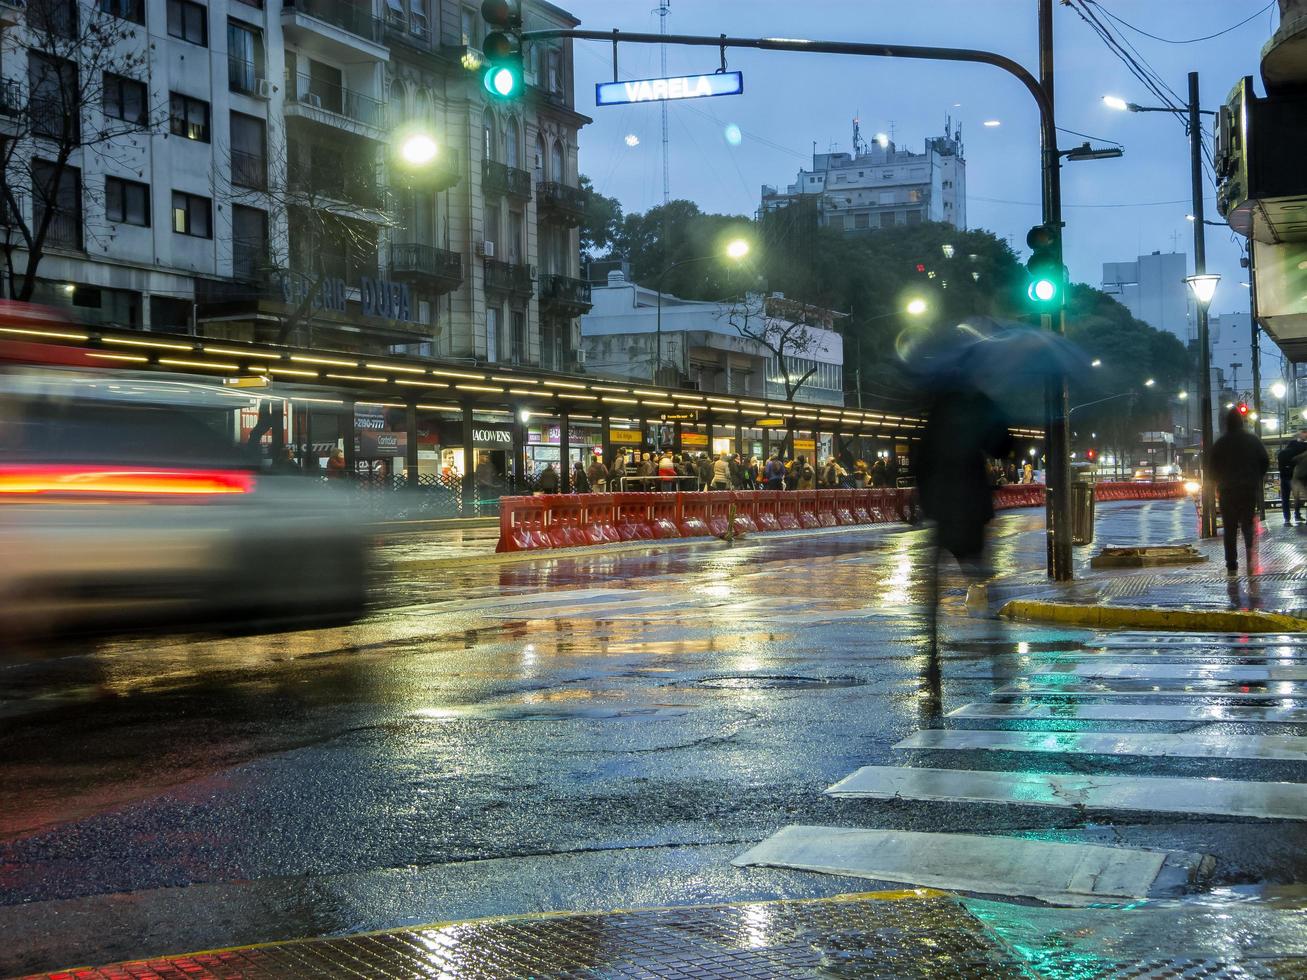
(511, 149)
(492, 334)
(249, 151)
(839, 178)
(52, 83)
(189, 117)
(192, 215)
(539, 158)
(244, 58)
(249, 237)
(556, 171)
(58, 191)
(519, 336)
(57, 17)
(886, 197)
(126, 202)
(469, 25)
(124, 98)
(188, 21)
(492, 223)
(860, 220)
(555, 72)
(488, 136)
(515, 251)
(133, 10)
(914, 217)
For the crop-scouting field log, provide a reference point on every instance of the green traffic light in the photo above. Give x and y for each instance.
(501, 81)
(1042, 290)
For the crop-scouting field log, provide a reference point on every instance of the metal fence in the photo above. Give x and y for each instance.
(388, 496)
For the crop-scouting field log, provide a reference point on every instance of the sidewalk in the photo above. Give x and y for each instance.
(1188, 597)
(916, 933)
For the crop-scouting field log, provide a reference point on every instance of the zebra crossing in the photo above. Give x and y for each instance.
(1133, 696)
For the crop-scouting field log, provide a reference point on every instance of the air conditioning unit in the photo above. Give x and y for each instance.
(263, 88)
(580, 357)
(312, 99)
(486, 250)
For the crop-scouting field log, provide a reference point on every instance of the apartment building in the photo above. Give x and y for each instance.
(243, 176)
(879, 185)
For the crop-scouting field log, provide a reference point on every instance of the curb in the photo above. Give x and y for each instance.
(1151, 617)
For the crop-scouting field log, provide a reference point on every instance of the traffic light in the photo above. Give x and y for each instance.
(1092, 454)
(1242, 408)
(1045, 274)
(503, 49)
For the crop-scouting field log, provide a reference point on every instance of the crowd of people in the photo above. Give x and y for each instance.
(643, 471)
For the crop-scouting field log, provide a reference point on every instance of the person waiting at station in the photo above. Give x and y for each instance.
(667, 471)
(721, 473)
(548, 482)
(597, 474)
(775, 473)
(1287, 459)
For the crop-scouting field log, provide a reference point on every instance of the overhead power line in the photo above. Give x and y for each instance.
(1189, 40)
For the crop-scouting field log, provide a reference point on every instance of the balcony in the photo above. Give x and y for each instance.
(437, 270)
(564, 295)
(249, 260)
(561, 203)
(249, 170)
(337, 28)
(11, 12)
(65, 230)
(439, 175)
(499, 179)
(11, 107)
(409, 30)
(508, 277)
(243, 76)
(333, 105)
(326, 180)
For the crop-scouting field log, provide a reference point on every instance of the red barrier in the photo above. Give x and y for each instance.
(787, 509)
(844, 506)
(631, 511)
(692, 515)
(662, 514)
(862, 505)
(600, 519)
(747, 504)
(522, 524)
(767, 509)
(807, 508)
(826, 508)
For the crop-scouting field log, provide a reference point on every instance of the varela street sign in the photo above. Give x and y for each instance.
(663, 89)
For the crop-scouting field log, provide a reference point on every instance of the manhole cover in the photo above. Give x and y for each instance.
(777, 680)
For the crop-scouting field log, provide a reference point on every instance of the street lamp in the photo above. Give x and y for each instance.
(418, 149)
(736, 249)
(916, 306)
(1279, 390)
(1203, 286)
(1150, 382)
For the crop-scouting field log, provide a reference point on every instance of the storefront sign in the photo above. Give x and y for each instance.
(666, 89)
(491, 437)
(805, 446)
(769, 423)
(488, 435)
(625, 437)
(901, 449)
(329, 294)
(388, 300)
(369, 417)
(372, 444)
(697, 439)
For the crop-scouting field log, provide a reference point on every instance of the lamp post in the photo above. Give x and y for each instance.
(736, 249)
(1199, 282)
(914, 307)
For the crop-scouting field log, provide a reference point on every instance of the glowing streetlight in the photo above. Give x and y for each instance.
(916, 307)
(1204, 286)
(882, 140)
(1150, 382)
(1116, 102)
(418, 149)
(1096, 362)
(1279, 390)
(1183, 395)
(737, 248)
(947, 250)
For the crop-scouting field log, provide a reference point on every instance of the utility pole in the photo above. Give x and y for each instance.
(1208, 515)
(1057, 428)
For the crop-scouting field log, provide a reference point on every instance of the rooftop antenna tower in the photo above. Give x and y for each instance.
(859, 147)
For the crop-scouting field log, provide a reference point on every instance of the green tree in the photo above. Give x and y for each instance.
(602, 222)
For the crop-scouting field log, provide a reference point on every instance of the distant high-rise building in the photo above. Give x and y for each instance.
(879, 186)
(1153, 289)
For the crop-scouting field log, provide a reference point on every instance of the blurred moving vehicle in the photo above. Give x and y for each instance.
(127, 500)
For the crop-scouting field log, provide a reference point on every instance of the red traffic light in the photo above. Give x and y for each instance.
(921, 266)
(1092, 454)
(1243, 408)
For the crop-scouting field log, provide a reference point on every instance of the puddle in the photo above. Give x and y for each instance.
(777, 681)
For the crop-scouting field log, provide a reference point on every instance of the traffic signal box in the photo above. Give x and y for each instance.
(1045, 274)
(502, 48)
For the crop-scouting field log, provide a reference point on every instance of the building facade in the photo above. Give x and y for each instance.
(702, 348)
(248, 183)
(880, 186)
(1153, 289)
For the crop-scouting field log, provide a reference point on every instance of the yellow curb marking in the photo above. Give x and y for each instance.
(1152, 617)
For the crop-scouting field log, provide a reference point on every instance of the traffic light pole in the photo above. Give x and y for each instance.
(1057, 432)
(1057, 425)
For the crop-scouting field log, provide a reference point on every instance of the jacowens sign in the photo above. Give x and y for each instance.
(666, 89)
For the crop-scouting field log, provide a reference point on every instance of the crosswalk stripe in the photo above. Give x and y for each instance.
(1210, 671)
(1178, 794)
(1284, 691)
(1193, 745)
(1050, 870)
(1223, 641)
(1133, 712)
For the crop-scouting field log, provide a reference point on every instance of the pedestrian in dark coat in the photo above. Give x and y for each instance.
(1285, 459)
(580, 481)
(548, 482)
(1239, 464)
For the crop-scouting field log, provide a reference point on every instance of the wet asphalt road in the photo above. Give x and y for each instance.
(580, 733)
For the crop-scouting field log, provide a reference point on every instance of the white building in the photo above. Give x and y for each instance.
(879, 185)
(700, 346)
(1153, 289)
(260, 196)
